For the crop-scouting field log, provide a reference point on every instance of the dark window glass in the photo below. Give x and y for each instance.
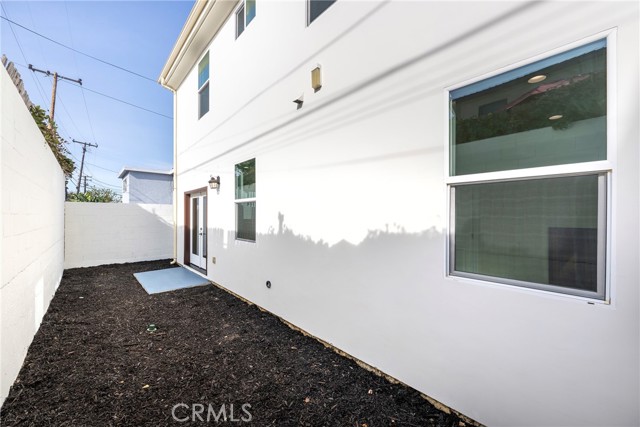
(240, 21)
(245, 187)
(203, 101)
(317, 7)
(204, 230)
(246, 221)
(194, 230)
(550, 112)
(246, 179)
(545, 231)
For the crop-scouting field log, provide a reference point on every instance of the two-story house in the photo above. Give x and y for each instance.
(446, 191)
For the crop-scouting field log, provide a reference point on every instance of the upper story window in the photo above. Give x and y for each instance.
(316, 7)
(551, 112)
(203, 86)
(529, 175)
(245, 187)
(244, 15)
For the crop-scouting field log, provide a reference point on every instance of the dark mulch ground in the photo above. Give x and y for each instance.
(93, 363)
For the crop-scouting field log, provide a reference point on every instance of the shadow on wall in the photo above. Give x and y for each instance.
(107, 233)
(378, 284)
(415, 90)
(291, 252)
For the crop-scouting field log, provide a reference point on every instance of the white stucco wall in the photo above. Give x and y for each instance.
(108, 233)
(32, 228)
(148, 188)
(352, 203)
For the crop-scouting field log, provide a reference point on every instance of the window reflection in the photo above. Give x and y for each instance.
(547, 113)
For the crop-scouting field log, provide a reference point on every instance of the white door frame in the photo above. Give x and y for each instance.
(198, 229)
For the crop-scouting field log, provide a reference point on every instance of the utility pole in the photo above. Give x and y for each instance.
(56, 76)
(84, 150)
(85, 182)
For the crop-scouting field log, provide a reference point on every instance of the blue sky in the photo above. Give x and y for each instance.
(136, 35)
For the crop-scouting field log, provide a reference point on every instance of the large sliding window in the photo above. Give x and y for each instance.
(246, 200)
(203, 86)
(529, 175)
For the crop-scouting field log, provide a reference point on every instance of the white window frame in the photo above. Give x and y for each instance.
(204, 85)
(238, 201)
(243, 9)
(605, 168)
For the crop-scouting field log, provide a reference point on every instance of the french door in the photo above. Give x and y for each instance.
(198, 229)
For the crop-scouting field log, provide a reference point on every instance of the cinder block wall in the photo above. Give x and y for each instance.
(109, 233)
(32, 230)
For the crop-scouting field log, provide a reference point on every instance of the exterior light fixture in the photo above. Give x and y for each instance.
(214, 183)
(555, 117)
(316, 79)
(537, 79)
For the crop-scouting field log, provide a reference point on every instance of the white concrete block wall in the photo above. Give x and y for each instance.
(352, 200)
(32, 230)
(108, 233)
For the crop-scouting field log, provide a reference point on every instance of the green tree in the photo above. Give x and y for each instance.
(96, 195)
(54, 140)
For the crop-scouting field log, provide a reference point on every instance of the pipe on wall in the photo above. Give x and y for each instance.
(175, 176)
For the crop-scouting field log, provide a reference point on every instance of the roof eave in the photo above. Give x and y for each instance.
(126, 170)
(204, 21)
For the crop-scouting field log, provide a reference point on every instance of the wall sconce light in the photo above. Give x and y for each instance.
(214, 183)
(537, 79)
(316, 79)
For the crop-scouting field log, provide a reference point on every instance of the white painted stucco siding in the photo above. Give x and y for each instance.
(32, 230)
(352, 201)
(148, 188)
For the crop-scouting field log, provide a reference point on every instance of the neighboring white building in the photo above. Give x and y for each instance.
(446, 191)
(146, 186)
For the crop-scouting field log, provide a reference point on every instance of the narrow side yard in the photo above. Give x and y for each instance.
(93, 362)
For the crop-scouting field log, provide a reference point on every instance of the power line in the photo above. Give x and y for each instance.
(84, 151)
(40, 89)
(68, 115)
(87, 110)
(107, 184)
(100, 167)
(117, 187)
(77, 160)
(56, 77)
(75, 60)
(93, 164)
(75, 50)
(14, 33)
(83, 87)
(104, 185)
(86, 178)
(22, 51)
(125, 102)
(38, 84)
